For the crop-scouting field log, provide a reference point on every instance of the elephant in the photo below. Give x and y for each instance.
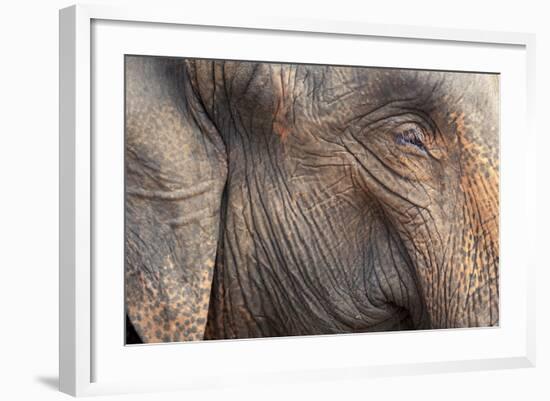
(283, 199)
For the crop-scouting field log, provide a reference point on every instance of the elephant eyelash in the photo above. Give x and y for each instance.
(412, 136)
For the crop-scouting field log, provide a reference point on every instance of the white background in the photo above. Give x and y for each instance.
(28, 201)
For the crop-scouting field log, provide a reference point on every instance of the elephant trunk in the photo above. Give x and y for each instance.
(459, 272)
(466, 292)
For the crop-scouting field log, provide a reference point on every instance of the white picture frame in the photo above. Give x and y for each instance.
(87, 365)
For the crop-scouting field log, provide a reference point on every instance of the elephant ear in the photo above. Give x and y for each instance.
(175, 169)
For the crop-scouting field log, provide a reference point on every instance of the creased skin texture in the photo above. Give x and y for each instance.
(175, 175)
(277, 199)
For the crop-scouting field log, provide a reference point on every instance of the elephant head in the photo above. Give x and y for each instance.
(280, 199)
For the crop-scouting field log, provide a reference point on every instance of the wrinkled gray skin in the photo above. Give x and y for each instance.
(278, 199)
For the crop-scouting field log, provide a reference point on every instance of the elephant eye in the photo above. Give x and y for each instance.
(411, 135)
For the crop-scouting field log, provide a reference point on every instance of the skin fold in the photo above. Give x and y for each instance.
(269, 199)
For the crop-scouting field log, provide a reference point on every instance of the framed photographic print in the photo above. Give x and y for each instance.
(292, 199)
